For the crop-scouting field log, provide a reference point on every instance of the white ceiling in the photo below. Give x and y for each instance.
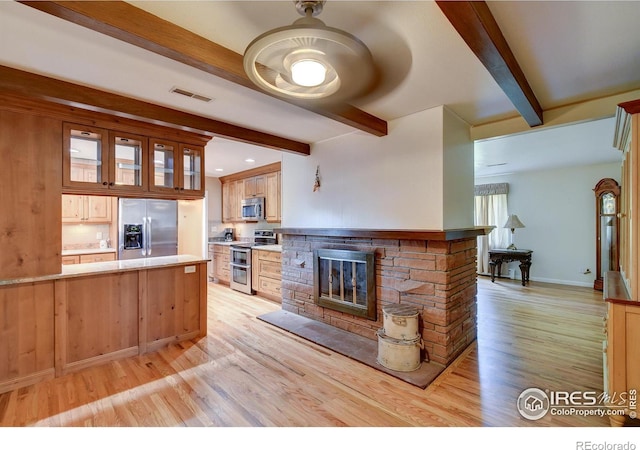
(569, 51)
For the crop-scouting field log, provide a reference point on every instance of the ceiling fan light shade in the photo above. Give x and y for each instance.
(308, 72)
(274, 62)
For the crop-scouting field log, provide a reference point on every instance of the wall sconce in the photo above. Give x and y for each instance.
(513, 222)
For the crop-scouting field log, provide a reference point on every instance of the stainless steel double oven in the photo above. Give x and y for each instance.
(240, 260)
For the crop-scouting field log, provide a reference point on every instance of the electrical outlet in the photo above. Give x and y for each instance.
(99, 235)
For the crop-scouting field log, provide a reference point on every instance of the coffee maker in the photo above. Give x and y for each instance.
(228, 234)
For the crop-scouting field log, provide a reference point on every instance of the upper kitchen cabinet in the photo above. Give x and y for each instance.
(176, 168)
(262, 181)
(127, 161)
(163, 176)
(254, 186)
(30, 189)
(191, 170)
(99, 159)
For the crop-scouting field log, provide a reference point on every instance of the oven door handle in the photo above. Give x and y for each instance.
(245, 266)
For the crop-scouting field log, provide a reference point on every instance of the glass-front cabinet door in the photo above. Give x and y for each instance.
(192, 169)
(163, 176)
(127, 161)
(85, 159)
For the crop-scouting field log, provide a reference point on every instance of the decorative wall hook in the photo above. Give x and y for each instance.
(316, 185)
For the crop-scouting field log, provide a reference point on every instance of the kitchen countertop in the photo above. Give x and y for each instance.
(96, 268)
(87, 251)
(270, 248)
(226, 242)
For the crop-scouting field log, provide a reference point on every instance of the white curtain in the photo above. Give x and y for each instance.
(491, 209)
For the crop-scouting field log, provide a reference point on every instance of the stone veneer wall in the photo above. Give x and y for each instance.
(437, 277)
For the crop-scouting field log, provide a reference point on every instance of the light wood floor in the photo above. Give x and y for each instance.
(248, 373)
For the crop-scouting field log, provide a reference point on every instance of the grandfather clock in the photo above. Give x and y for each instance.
(607, 228)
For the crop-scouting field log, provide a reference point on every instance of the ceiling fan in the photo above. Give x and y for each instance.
(309, 61)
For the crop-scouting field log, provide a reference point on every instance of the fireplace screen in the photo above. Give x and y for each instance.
(344, 280)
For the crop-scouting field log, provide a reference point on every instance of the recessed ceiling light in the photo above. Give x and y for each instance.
(219, 170)
(249, 160)
(74, 150)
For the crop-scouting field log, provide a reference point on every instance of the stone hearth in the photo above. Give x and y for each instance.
(432, 271)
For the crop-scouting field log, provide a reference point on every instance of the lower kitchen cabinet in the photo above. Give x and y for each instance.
(88, 258)
(221, 255)
(266, 273)
(71, 259)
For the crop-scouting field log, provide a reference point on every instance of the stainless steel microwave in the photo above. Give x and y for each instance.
(253, 208)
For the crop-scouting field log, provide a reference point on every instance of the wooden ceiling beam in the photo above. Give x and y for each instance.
(477, 26)
(30, 85)
(135, 26)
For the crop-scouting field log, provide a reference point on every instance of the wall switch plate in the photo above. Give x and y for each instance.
(189, 269)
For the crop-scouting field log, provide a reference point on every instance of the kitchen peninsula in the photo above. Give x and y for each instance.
(57, 318)
(93, 313)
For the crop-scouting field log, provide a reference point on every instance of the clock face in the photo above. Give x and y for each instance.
(608, 203)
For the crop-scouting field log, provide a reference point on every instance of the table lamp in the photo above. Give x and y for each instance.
(513, 222)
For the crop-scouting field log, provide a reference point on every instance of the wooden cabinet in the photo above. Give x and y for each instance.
(239, 197)
(621, 347)
(70, 259)
(86, 209)
(261, 182)
(266, 273)
(621, 288)
(272, 200)
(99, 159)
(97, 257)
(254, 186)
(30, 189)
(229, 201)
(221, 255)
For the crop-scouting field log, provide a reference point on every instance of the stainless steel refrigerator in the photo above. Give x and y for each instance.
(147, 228)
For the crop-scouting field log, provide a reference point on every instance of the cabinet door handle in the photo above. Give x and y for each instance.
(111, 183)
(104, 183)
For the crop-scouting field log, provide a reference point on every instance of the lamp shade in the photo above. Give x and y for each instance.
(513, 222)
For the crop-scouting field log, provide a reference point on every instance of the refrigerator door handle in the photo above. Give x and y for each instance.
(149, 233)
(145, 238)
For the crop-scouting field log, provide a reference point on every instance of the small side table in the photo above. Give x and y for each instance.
(499, 255)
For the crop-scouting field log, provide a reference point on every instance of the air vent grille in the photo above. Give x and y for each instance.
(180, 91)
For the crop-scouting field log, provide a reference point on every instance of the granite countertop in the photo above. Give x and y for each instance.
(87, 269)
(87, 251)
(226, 242)
(270, 248)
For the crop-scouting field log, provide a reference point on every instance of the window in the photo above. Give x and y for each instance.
(491, 209)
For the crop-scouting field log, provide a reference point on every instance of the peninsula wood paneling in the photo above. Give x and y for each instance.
(101, 317)
(26, 334)
(30, 189)
(173, 304)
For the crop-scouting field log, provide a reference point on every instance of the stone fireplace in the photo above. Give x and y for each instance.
(434, 271)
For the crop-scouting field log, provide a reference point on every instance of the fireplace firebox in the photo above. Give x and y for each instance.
(344, 280)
